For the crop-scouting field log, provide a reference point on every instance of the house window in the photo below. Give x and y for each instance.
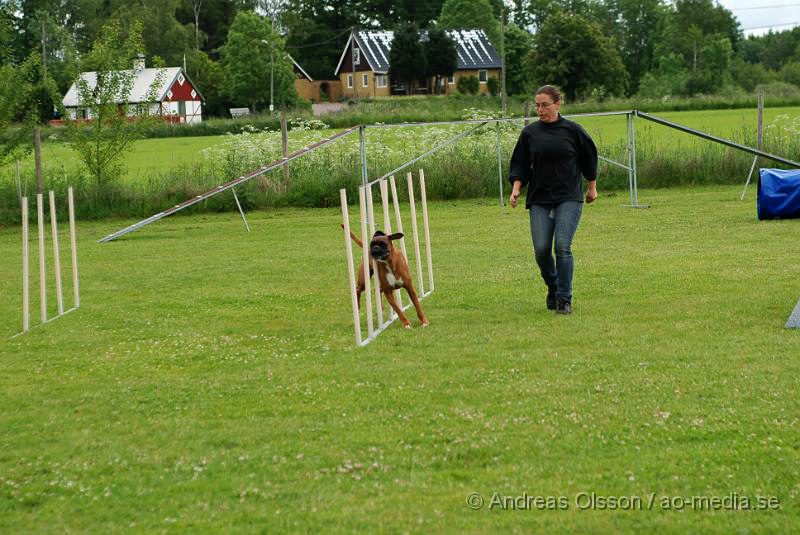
(181, 107)
(451, 79)
(483, 76)
(350, 81)
(380, 80)
(365, 80)
(356, 56)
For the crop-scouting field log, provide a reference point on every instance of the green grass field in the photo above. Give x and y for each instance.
(210, 383)
(156, 156)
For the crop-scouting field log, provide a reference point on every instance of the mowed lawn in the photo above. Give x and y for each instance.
(209, 383)
(151, 157)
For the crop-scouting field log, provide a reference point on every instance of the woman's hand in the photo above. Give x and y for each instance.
(515, 193)
(591, 194)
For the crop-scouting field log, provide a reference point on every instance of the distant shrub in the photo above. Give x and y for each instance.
(494, 85)
(468, 85)
(779, 89)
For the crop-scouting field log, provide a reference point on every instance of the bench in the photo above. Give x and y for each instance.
(239, 112)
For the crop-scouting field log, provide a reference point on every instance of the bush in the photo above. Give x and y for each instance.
(494, 86)
(468, 85)
(779, 89)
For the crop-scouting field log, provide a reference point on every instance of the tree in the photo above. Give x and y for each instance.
(246, 63)
(101, 143)
(713, 66)
(748, 75)
(639, 32)
(571, 52)
(214, 18)
(162, 34)
(210, 78)
(518, 48)
(407, 61)
(390, 14)
(24, 90)
(669, 78)
(317, 31)
(469, 15)
(790, 73)
(441, 57)
(196, 6)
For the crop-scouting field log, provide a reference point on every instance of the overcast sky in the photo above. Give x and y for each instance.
(764, 14)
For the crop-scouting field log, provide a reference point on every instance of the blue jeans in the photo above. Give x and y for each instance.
(559, 223)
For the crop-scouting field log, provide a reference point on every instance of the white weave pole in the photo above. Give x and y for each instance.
(349, 254)
(424, 199)
(371, 213)
(415, 231)
(26, 314)
(387, 224)
(74, 247)
(56, 255)
(397, 218)
(42, 280)
(362, 201)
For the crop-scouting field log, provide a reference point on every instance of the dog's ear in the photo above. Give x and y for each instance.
(396, 236)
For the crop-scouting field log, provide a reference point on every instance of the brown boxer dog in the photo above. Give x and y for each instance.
(392, 272)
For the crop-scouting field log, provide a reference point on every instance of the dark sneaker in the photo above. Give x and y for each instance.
(551, 300)
(563, 307)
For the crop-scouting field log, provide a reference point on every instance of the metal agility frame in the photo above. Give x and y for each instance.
(368, 227)
(76, 301)
(361, 129)
(629, 165)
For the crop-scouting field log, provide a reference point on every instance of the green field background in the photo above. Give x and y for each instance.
(152, 157)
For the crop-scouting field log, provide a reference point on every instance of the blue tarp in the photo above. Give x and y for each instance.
(778, 194)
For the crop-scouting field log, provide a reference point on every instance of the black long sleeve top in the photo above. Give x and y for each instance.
(550, 158)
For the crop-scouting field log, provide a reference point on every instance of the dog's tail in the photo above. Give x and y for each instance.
(354, 237)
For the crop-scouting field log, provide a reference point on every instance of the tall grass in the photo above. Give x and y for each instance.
(424, 109)
(467, 169)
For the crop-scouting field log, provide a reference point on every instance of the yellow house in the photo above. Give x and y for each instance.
(315, 90)
(364, 66)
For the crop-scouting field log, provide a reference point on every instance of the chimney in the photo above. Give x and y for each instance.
(138, 63)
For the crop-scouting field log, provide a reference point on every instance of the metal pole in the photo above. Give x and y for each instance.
(387, 228)
(424, 198)
(415, 230)
(365, 239)
(42, 280)
(350, 272)
(398, 219)
(720, 140)
(633, 145)
(362, 141)
(26, 322)
(371, 221)
(628, 154)
(74, 247)
(499, 165)
(238, 204)
(56, 254)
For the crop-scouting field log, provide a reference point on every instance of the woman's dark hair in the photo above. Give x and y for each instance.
(550, 90)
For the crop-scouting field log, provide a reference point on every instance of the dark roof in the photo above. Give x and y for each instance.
(473, 48)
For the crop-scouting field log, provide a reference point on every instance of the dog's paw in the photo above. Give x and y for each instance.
(425, 323)
(406, 326)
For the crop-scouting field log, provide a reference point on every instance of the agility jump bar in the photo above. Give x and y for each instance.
(709, 137)
(228, 185)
